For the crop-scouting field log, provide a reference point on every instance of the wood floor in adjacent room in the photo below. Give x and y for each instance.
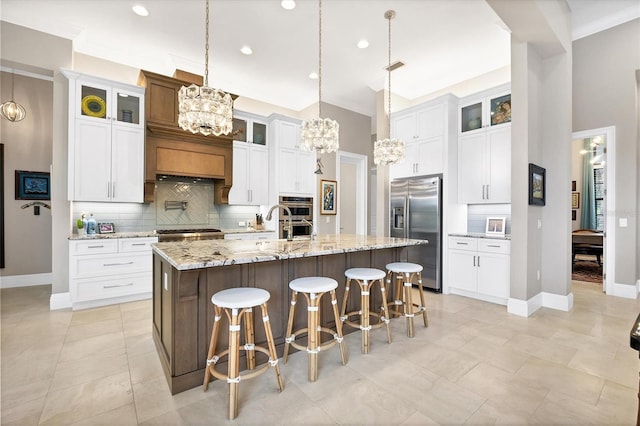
(475, 364)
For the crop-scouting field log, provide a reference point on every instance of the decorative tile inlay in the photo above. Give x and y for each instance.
(198, 196)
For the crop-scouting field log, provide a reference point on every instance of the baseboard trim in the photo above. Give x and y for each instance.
(29, 280)
(557, 301)
(524, 308)
(626, 291)
(110, 301)
(60, 301)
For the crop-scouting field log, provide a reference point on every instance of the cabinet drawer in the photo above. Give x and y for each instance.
(494, 246)
(92, 266)
(102, 288)
(463, 243)
(136, 244)
(98, 246)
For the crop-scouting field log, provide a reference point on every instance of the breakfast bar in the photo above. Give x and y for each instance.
(187, 274)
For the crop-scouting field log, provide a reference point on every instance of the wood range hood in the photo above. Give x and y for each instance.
(171, 151)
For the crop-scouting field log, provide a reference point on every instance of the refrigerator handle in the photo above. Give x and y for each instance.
(407, 223)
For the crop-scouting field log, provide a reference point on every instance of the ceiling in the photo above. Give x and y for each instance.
(442, 42)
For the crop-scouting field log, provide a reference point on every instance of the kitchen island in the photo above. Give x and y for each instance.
(187, 274)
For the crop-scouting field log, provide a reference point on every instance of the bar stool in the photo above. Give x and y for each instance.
(236, 304)
(405, 273)
(366, 277)
(313, 288)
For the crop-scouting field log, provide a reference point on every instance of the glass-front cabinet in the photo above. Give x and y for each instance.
(98, 102)
(485, 110)
(250, 128)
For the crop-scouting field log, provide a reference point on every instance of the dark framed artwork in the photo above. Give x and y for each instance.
(537, 185)
(106, 228)
(573, 185)
(328, 191)
(574, 215)
(32, 185)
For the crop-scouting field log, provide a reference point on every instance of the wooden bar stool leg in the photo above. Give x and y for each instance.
(211, 358)
(423, 304)
(364, 322)
(408, 304)
(288, 337)
(385, 309)
(273, 355)
(345, 299)
(399, 283)
(249, 339)
(233, 365)
(334, 304)
(312, 336)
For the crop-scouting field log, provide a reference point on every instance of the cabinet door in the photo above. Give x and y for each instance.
(462, 270)
(288, 135)
(93, 101)
(429, 155)
(406, 167)
(430, 122)
(92, 161)
(306, 166)
(404, 127)
(471, 168)
(471, 115)
(499, 165)
(287, 170)
(127, 176)
(128, 108)
(239, 193)
(259, 176)
(493, 274)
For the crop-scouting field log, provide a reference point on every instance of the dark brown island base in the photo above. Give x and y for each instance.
(187, 274)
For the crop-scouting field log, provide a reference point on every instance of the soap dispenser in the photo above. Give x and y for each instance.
(91, 225)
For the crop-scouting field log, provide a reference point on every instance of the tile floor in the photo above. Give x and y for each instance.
(475, 364)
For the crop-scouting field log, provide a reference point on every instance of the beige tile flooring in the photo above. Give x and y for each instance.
(475, 364)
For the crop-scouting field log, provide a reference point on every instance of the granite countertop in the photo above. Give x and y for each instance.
(209, 253)
(479, 235)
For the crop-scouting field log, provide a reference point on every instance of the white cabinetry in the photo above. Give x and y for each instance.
(484, 167)
(251, 236)
(250, 174)
(294, 167)
(480, 268)
(488, 109)
(106, 140)
(108, 271)
(422, 129)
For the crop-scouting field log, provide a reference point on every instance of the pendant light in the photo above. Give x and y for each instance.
(203, 109)
(11, 110)
(388, 151)
(320, 134)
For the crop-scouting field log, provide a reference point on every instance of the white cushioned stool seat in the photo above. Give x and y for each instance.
(404, 267)
(313, 284)
(241, 297)
(365, 274)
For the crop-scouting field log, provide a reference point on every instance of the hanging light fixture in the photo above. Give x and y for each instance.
(204, 109)
(11, 110)
(320, 134)
(388, 151)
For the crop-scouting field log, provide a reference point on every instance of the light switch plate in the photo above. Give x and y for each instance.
(623, 222)
(242, 223)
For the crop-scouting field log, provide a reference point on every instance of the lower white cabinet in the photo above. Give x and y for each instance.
(251, 236)
(108, 271)
(480, 268)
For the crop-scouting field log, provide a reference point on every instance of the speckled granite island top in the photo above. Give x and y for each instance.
(209, 253)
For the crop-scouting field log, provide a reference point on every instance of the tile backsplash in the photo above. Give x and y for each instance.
(477, 215)
(200, 210)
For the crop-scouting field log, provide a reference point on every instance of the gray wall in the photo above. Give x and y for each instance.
(605, 94)
(27, 146)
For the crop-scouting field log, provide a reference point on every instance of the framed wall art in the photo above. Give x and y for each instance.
(328, 191)
(537, 185)
(575, 200)
(495, 226)
(32, 185)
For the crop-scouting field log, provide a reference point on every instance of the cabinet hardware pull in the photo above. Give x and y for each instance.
(478, 261)
(462, 244)
(493, 245)
(487, 191)
(118, 264)
(117, 285)
(139, 244)
(474, 261)
(95, 246)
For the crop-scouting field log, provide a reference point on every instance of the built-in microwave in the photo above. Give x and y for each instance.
(301, 216)
(299, 229)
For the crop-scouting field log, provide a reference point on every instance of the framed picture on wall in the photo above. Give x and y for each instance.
(575, 200)
(32, 185)
(495, 226)
(537, 185)
(329, 192)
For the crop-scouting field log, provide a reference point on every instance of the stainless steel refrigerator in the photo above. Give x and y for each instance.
(416, 212)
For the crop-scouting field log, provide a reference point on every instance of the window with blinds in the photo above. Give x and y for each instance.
(599, 193)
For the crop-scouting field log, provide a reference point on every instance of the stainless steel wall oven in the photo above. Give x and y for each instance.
(301, 216)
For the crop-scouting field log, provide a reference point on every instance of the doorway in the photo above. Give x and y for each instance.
(600, 180)
(351, 174)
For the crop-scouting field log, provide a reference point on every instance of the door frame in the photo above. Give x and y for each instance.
(610, 201)
(360, 161)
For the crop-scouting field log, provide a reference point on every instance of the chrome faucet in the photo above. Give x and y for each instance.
(313, 234)
(289, 227)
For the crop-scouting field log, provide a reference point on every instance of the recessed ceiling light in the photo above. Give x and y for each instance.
(140, 10)
(363, 44)
(288, 4)
(313, 75)
(246, 50)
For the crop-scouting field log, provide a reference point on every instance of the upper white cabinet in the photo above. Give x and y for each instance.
(488, 109)
(250, 174)
(249, 127)
(294, 167)
(484, 153)
(422, 129)
(106, 140)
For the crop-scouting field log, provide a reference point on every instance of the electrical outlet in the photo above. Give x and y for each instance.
(538, 274)
(328, 219)
(242, 223)
(539, 224)
(623, 222)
